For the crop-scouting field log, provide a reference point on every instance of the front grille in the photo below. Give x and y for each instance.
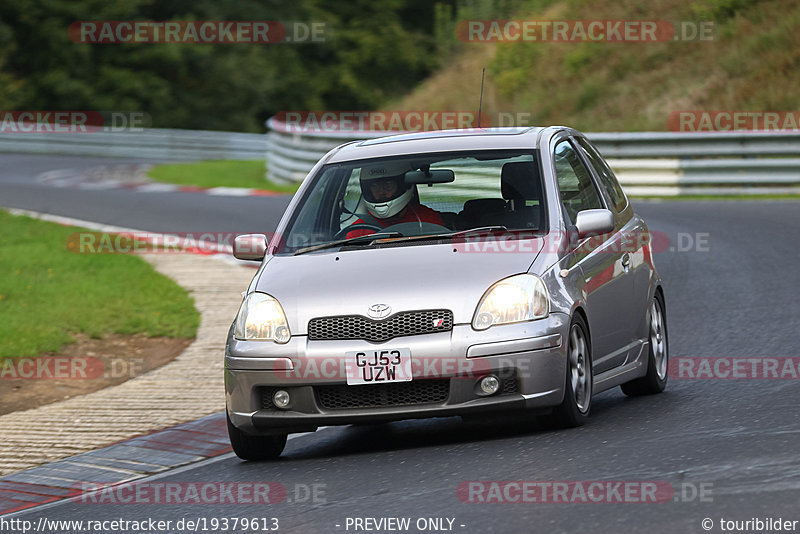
(379, 395)
(510, 385)
(400, 324)
(266, 398)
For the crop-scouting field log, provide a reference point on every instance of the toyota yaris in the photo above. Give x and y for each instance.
(440, 274)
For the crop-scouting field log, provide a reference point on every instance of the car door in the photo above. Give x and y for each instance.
(606, 288)
(635, 239)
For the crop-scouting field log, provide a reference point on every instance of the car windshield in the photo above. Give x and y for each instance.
(406, 199)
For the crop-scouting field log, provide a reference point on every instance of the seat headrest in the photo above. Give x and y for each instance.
(520, 180)
(483, 205)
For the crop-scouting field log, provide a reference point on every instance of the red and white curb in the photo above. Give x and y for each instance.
(122, 462)
(119, 177)
(151, 456)
(172, 188)
(217, 251)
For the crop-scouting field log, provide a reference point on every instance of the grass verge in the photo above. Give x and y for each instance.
(48, 292)
(749, 63)
(218, 173)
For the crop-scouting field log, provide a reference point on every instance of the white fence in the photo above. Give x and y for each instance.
(647, 163)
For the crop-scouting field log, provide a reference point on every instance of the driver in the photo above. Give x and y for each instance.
(390, 200)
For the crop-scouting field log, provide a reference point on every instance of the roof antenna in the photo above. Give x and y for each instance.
(480, 103)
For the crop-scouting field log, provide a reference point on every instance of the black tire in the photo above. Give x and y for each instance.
(569, 414)
(249, 447)
(652, 382)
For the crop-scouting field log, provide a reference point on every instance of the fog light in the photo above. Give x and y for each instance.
(281, 398)
(490, 384)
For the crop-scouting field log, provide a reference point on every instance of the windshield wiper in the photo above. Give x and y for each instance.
(471, 231)
(397, 236)
(481, 230)
(369, 238)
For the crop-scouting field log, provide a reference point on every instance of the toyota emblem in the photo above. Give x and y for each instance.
(379, 311)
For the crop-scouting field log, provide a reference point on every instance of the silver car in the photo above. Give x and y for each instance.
(450, 273)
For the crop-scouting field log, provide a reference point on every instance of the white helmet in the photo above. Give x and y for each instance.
(386, 172)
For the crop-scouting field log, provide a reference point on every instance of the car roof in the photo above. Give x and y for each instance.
(440, 141)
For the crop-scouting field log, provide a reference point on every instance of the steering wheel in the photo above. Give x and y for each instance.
(357, 226)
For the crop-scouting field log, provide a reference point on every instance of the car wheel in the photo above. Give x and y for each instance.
(656, 378)
(249, 447)
(574, 409)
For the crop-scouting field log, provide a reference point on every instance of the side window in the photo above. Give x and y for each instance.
(351, 203)
(313, 221)
(606, 175)
(576, 187)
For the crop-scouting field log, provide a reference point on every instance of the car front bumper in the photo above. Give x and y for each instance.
(529, 358)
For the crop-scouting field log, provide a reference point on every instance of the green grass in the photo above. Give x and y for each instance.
(48, 292)
(750, 64)
(218, 173)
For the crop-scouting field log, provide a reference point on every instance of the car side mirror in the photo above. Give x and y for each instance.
(252, 247)
(594, 222)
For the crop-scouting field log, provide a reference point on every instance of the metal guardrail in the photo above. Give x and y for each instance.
(646, 163)
(152, 144)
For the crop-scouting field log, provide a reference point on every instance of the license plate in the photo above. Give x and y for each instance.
(378, 366)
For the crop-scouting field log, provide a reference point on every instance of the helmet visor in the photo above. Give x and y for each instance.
(383, 189)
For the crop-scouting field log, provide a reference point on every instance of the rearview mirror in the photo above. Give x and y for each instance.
(252, 247)
(436, 176)
(594, 222)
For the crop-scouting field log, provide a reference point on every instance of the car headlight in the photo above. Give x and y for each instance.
(518, 298)
(261, 318)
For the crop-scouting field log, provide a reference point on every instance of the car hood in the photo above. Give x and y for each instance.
(438, 276)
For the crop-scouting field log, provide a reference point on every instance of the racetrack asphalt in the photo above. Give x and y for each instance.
(738, 439)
